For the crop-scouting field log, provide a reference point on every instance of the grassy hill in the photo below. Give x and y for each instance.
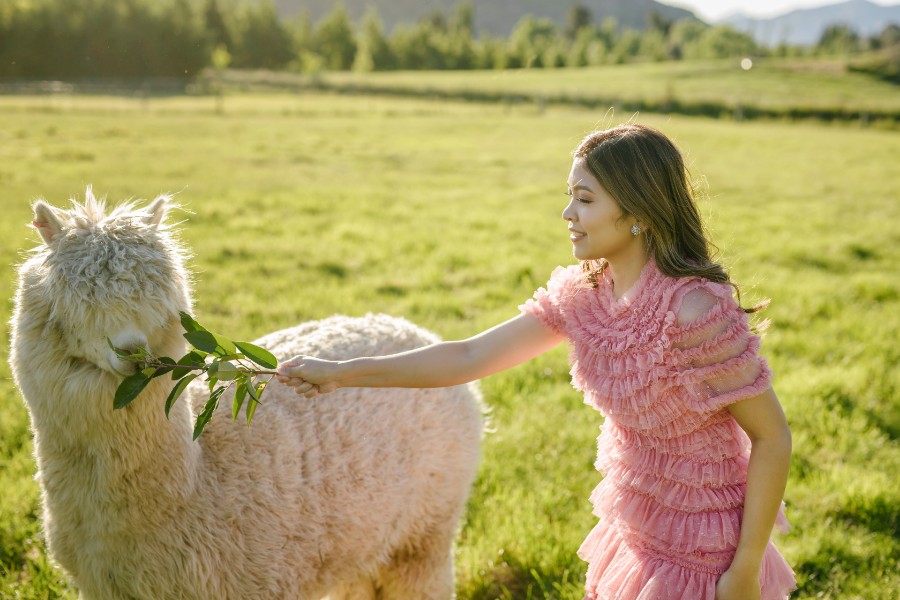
(305, 205)
(772, 88)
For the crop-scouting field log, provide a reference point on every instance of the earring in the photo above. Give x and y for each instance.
(635, 230)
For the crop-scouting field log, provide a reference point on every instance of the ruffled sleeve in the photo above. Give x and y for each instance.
(715, 353)
(550, 303)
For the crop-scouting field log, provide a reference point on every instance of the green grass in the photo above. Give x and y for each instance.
(307, 205)
(772, 87)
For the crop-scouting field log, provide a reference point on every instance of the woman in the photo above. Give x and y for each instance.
(695, 447)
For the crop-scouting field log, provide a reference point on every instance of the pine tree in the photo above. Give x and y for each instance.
(334, 40)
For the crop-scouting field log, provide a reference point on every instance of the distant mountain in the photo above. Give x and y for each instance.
(498, 17)
(805, 27)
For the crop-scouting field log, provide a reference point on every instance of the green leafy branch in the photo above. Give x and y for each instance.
(218, 358)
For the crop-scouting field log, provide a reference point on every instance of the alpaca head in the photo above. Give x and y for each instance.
(98, 277)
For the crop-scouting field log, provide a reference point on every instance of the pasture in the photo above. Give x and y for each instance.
(772, 88)
(301, 206)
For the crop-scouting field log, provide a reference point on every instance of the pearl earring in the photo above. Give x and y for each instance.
(635, 230)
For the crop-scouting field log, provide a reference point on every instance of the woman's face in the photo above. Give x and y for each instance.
(596, 226)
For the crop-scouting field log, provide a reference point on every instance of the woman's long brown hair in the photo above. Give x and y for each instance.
(644, 172)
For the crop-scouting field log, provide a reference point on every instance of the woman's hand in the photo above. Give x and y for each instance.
(738, 584)
(309, 376)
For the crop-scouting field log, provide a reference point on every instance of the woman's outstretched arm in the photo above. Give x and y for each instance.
(438, 365)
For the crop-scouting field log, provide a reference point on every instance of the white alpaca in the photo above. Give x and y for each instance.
(357, 494)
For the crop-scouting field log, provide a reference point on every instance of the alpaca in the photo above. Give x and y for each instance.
(357, 494)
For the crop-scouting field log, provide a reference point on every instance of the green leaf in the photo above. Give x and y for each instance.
(135, 357)
(256, 394)
(227, 370)
(129, 389)
(177, 390)
(123, 354)
(240, 394)
(211, 342)
(189, 324)
(251, 408)
(206, 414)
(191, 359)
(260, 356)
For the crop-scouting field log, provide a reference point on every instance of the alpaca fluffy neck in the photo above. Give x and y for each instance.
(121, 455)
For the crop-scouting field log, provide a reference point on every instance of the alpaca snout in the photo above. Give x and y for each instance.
(119, 365)
(129, 340)
(123, 367)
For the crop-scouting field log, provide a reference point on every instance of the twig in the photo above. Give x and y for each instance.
(154, 362)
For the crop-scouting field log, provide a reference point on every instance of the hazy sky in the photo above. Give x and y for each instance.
(716, 9)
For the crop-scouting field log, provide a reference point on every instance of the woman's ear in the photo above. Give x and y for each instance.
(46, 221)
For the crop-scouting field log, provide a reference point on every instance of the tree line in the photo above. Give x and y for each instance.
(76, 39)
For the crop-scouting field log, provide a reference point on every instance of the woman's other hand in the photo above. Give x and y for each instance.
(738, 584)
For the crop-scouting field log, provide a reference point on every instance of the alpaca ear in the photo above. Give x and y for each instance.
(46, 221)
(156, 211)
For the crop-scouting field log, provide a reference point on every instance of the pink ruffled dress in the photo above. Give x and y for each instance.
(674, 461)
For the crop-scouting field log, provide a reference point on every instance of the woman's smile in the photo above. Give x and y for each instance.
(576, 235)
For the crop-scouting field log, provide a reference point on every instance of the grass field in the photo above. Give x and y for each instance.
(302, 206)
(774, 87)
